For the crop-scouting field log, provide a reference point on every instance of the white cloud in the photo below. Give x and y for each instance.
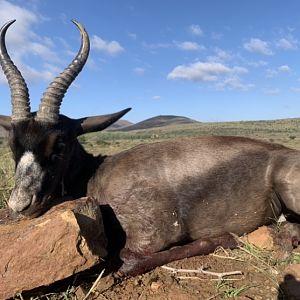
(189, 46)
(295, 89)
(234, 83)
(258, 46)
(70, 52)
(287, 43)
(196, 30)
(257, 64)
(25, 17)
(22, 42)
(2, 78)
(239, 70)
(185, 46)
(155, 46)
(139, 71)
(271, 91)
(156, 97)
(284, 69)
(43, 51)
(92, 64)
(132, 35)
(199, 71)
(220, 56)
(112, 48)
(270, 73)
(220, 74)
(33, 75)
(216, 36)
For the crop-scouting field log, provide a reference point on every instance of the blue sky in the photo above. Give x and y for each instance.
(207, 60)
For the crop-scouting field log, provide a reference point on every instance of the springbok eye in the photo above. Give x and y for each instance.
(60, 146)
(58, 151)
(55, 157)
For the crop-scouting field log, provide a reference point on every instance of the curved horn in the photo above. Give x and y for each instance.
(18, 88)
(53, 96)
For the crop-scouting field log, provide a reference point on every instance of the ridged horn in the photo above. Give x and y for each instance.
(53, 96)
(18, 88)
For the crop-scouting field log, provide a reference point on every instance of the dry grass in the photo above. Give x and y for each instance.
(6, 175)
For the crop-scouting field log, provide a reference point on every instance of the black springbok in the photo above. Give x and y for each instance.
(188, 193)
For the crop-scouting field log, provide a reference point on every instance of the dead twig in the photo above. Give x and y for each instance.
(211, 279)
(202, 271)
(227, 257)
(94, 285)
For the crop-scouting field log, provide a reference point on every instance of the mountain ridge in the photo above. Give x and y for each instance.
(158, 121)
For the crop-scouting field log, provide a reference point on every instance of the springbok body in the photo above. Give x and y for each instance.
(189, 193)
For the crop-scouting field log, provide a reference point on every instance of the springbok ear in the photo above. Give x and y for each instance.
(98, 123)
(5, 122)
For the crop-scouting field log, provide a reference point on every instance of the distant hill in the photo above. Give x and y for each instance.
(159, 121)
(119, 124)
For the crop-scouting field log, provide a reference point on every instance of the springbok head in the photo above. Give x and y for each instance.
(42, 142)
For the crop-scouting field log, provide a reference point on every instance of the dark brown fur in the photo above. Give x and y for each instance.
(175, 192)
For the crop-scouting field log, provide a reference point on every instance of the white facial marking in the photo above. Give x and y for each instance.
(28, 180)
(26, 160)
(29, 172)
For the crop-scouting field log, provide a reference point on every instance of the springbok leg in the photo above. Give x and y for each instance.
(136, 263)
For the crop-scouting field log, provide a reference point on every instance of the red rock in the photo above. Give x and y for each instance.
(262, 238)
(67, 239)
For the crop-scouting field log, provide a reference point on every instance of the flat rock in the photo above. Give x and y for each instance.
(263, 238)
(68, 239)
(283, 237)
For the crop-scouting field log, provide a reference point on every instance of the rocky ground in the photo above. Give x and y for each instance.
(258, 280)
(245, 273)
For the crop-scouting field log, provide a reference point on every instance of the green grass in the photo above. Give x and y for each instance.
(227, 289)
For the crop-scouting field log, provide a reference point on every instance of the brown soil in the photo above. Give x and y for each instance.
(265, 274)
(260, 280)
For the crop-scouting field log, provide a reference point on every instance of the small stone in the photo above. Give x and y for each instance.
(105, 283)
(136, 282)
(80, 293)
(155, 286)
(262, 238)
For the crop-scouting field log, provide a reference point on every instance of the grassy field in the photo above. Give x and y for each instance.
(285, 132)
